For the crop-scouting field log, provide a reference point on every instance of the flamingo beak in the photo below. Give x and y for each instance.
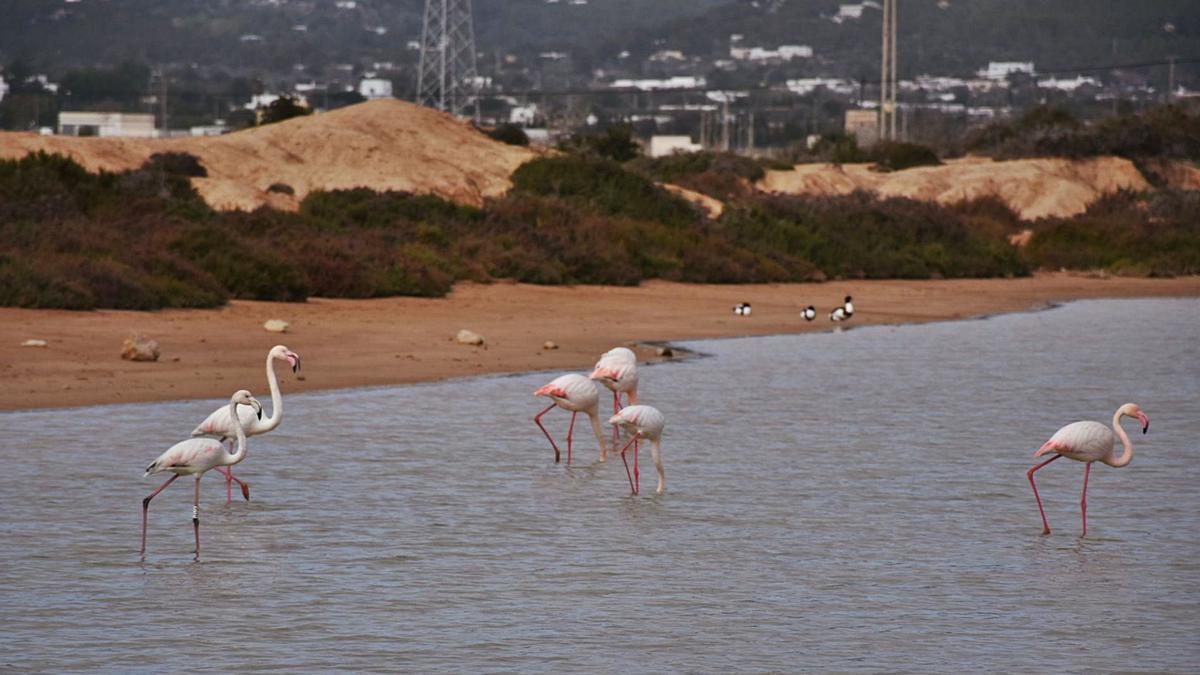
(257, 407)
(295, 361)
(1145, 421)
(602, 373)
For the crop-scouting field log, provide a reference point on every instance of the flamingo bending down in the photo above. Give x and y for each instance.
(617, 370)
(574, 393)
(220, 425)
(642, 421)
(1088, 442)
(194, 457)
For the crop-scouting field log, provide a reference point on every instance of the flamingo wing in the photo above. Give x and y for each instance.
(195, 455)
(218, 424)
(1084, 441)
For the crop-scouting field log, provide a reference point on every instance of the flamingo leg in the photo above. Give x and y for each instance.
(146, 507)
(570, 431)
(1045, 524)
(637, 476)
(538, 418)
(230, 479)
(196, 516)
(616, 409)
(632, 489)
(1087, 469)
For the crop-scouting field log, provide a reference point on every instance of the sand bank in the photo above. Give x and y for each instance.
(352, 343)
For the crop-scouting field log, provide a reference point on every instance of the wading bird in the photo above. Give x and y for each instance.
(195, 456)
(844, 312)
(617, 370)
(220, 425)
(1088, 442)
(642, 421)
(575, 394)
(809, 313)
(742, 309)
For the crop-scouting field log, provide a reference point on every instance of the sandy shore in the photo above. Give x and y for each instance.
(351, 343)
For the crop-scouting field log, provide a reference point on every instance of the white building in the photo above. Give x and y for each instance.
(3, 88)
(373, 88)
(1068, 85)
(662, 146)
(128, 125)
(783, 53)
(677, 82)
(1000, 70)
(523, 115)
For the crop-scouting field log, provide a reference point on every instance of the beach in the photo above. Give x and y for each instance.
(207, 354)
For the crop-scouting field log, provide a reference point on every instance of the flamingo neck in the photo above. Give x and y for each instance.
(240, 454)
(276, 399)
(594, 417)
(656, 453)
(1127, 456)
(632, 394)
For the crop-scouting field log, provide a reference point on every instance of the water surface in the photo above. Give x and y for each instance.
(843, 501)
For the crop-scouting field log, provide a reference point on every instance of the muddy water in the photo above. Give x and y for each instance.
(843, 501)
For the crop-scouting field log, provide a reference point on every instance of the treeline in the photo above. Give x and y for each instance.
(144, 239)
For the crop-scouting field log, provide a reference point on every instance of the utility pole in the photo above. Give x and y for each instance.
(725, 123)
(888, 78)
(162, 101)
(447, 78)
(1170, 78)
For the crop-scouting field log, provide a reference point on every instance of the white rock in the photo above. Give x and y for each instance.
(549, 344)
(137, 348)
(467, 337)
(34, 343)
(276, 326)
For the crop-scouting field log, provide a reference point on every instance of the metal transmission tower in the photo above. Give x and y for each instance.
(447, 78)
(887, 81)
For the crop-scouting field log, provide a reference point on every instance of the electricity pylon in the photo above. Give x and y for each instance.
(447, 79)
(888, 79)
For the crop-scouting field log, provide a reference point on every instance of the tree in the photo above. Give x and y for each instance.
(283, 108)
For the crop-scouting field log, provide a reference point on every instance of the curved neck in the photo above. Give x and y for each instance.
(594, 417)
(656, 453)
(1127, 457)
(276, 399)
(238, 456)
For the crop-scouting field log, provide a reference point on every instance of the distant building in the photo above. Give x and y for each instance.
(523, 115)
(662, 146)
(677, 82)
(1000, 70)
(209, 130)
(784, 53)
(3, 88)
(864, 125)
(128, 125)
(373, 88)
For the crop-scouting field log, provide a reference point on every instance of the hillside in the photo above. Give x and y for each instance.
(382, 145)
(1033, 188)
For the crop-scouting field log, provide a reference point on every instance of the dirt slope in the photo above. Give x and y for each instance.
(1034, 188)
(384, 145)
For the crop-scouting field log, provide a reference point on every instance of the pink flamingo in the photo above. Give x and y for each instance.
(1088, 442)
(642, 421)
(220, 425)
(574, 393)
(617, 370)
(195, 456)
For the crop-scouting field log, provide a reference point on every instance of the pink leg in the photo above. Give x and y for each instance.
(146, 507)
(1083, 499)
(1045, 525)
(637, 478)
(570, 430)
(631, 488)
(616, 409)
(538, 418)
(196, 516)
(230, 479)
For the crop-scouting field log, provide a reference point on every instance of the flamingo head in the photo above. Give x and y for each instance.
(605, 374)
(284, 354)
(1135, 410)
(552, 391)
(243, 397)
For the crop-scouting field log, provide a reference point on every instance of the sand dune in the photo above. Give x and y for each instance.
(1034, 188)
(383, 145)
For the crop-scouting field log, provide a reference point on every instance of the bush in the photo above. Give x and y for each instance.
(510, 134)
(894, 156)
(615, 143)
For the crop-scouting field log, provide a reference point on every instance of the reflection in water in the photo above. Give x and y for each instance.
(835, 502)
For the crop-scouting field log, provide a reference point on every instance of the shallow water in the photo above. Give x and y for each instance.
(842, 501)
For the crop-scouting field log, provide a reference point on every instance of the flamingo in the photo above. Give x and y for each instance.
(617, 370)
(574, 393)
(642, 421)
(195, 456)
(219, 424)
(1088, 442)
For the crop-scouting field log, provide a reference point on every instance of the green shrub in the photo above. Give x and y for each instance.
(510, 134)
(614, 143)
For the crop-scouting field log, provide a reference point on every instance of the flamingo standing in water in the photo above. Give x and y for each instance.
(576, 394)
(617, 370)
(220, 425)
(642, 421)
(1088, 442)
(195, 456)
